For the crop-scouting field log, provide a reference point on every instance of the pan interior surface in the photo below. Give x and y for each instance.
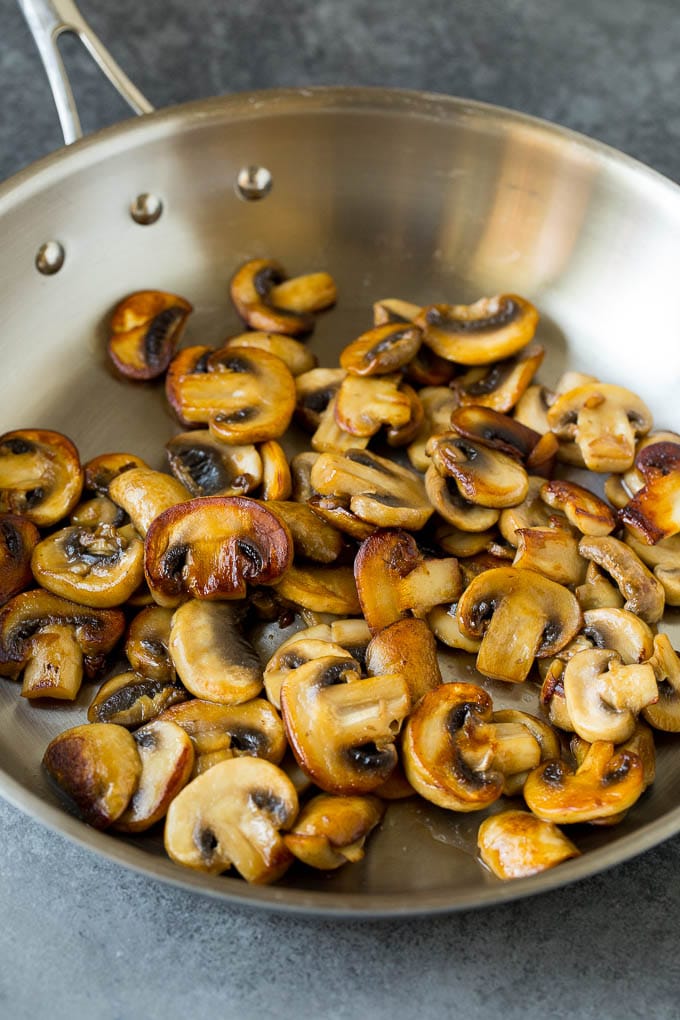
(397, 195)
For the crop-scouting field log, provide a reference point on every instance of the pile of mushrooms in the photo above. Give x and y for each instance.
(436, 505)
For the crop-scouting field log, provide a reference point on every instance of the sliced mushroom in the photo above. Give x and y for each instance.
(532, 512)
(331, 437)
(277, 483)
(313, 538)
(653, 513)
(212, 657)
(491, 428)
(257, 286)
(501, 385)
(438, 760)
(364, 404)
(99, 567)
(621, 631)
(144, 494)
(604, 697)
(218, 732)
(301, 471)
(205, 467)
(18, 539)
(582, 508)
(167, 757)
(461, 544)
(552, 552)
(438, 403)
(603, 420)
(295, 354)
(641, 743)
(380, 492)
(484, 476)
(395, 580)
(130, 699)
(342, 728)
(334, 510)
(146, 645)
(394, 310)
(480, 333)
(643, 593)
(665, 713)
(663, 559)
(383, 349)
(98, 510)
(213, 547)
(293, 653)
(544, 735)
(234, 814)
(516, 844)
(52, 641)
(322, 589)
(443, 620)
(40, 475)
(330, 831)
(445, 497)
(407, 647)
(314, 391)
(146, 328)
(98, 767)
(520, 615)
(597, 591)
(605, 784)
(101, 470)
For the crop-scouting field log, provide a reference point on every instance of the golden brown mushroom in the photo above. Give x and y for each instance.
(146, 328)
(295, 354)
(131, 699)
(515, 844)
(582, 508)
(644, 595)
(603, 420)
(480, 333)
(604, 696)
(144, 494)
(330, 830)
(484, 476)
(167, 757)
(407, 647)
(383, 349)
(653, 513)
(265, 302)
(40, 475)
(18, 539)
(206, 467)
(501, 385)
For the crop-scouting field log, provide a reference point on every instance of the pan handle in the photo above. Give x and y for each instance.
(47, 20)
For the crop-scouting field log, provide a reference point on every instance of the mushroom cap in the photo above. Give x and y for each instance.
(485, 476)
(167, 757)
(499, 386)
(480, 333)
(146, 328)
(295, 354)
(314, 391)
(18, 539)
(277, 481)
(644, 594)
(385, 348)
(582, 508)
(604, 420)
(515, 844)
(444, 495)
(255, 395)
(146, 644)
(654, 511)
(100, 471)
(605, 784)
(144, 494)
(321, 589)
(313, 537)
(433, 759)
(408, 647)
(552, 552)
(603, 698)
(233, 814)
(205, 466)
(212, 547)
(491, 428)
(332, 830)
(250, 291)
(520, 615)
(40, 475)
(621, 631)
(131, 699)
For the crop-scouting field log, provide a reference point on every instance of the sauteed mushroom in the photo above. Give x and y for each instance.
(406, 647)
(321, 589)
(663, 558)
(643, 593)
(603, 420)
(313, 538)
(40, 475)
(664, 714)
(145, 330)
(515, 844)
(18, 538)
(330, 830)
(480, 333)
(582, 508)
(295, 354)
(144, 494)
(167, 757)
(130, 699)
(604, 697)
(484, 476)
(552, 552)
(206, 467)
(314, 391)
(293, 653)
(501, 385)
(212, 547)
(265, 302)
(383, 349)
(101, 470)
(654, 511)
(146, 645)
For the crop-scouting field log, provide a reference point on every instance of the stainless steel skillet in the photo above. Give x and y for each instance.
(395, 193)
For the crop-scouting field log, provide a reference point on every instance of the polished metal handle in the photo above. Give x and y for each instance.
(47, 20)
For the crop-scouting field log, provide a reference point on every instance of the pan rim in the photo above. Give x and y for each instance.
(289, 102)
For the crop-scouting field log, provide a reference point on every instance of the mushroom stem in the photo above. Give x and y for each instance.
(507, 747)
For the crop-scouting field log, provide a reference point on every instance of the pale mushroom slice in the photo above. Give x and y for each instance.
(18, 539)
(379, 491)
(477, 334)
(144, 494)
(603, 420)
(53, 642)
(499, 386)
(145, 329)
(395, 580)
(438, 403)
(484, 476)
(234, 814)
(552, 552)
(130, 699)
(653, 513)
(212, 547)
(167, 757)
(212, 657)
(100, 567)
(663, 559)
(407, 647)
(206, 467)
(147, 641)
(604, 697)
(331, 831)
(519, 615)
(363, 404)
(40, 475)
(342, 727)
(582, 508)
(606, 783)
(621, 631)
(385, 348)
(453, 754)
(516, 844)
(267, 301)
(218, 732)
(643, 593)
(98, 767)
(296, 355)
(665, 713)
(321, 589)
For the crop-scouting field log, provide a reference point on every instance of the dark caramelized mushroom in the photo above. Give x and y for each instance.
(145, 330)
(381, 350)
(499, 386)
(206, 467)
(18, 538)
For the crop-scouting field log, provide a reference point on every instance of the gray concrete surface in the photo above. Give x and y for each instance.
(80, 937)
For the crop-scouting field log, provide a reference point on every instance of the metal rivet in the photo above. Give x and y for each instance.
(50, 258)
(253, 182)
(146, 209)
